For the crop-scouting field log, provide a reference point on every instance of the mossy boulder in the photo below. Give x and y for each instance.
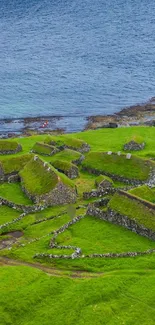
(44, 149)
(63, 142)
(43, 184)
(67, 168)
(9, 147)
(103, 181)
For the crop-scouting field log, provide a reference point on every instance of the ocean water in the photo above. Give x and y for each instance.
(75, 58)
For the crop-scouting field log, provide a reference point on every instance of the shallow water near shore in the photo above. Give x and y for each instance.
(74, 58)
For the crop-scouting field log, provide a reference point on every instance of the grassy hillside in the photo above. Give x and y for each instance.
(83, 290)
(114, 298)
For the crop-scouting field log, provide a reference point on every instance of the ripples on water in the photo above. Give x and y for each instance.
(76, 58)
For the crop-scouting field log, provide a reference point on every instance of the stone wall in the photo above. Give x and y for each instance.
(98, 193)
(22, 207)
(121, 220)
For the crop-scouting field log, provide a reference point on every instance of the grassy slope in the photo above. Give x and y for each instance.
(133, 209)
(115, 298)
(7, 214)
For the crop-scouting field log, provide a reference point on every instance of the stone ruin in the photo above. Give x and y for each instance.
(134, 146)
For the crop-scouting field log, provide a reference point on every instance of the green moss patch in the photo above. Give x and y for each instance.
(134, 168)
(133, 209)
(15, 164)
(144, 192)
(43, 149)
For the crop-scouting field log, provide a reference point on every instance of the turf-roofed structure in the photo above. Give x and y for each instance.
(130, 169)
(10, 167)
(67, 168)
(44, 184)
(9, 147)
(44, 149)
(63, 142)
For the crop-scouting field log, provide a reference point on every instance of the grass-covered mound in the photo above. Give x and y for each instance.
(134, 168)
(14, 164)
(64, 141)
(37, 177)
(144, 192)
(133, 209)
(67, 155)
(103, 178)
(44, 149)
(9, 147)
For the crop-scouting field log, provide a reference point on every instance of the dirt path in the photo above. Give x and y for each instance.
(49, 270)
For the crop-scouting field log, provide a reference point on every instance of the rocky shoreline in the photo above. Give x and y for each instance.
(141, 114)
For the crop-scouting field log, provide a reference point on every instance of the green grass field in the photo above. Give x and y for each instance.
(85, 290)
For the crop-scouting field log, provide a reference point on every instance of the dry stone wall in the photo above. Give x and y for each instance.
(121, 220)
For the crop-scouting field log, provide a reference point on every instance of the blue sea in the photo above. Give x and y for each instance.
(75, 58)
